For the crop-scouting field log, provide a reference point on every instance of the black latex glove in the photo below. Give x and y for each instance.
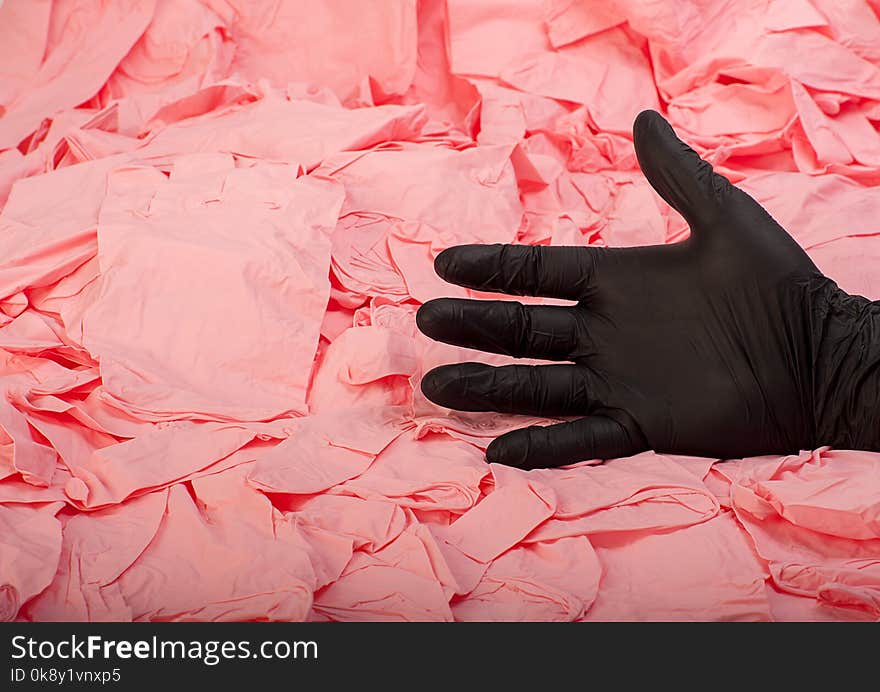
(728, 344)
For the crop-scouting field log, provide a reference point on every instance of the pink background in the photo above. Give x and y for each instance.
(219, 218)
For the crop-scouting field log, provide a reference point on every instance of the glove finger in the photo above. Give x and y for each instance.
(547, 332)
(537, 390)
(676, 171)
(521, 270)
(594, 437)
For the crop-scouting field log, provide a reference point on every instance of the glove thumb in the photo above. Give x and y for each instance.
(676, 171)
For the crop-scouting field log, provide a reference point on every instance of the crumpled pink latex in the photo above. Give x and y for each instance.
(218, 219)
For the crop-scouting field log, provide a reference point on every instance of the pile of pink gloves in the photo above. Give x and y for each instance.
(219, 218)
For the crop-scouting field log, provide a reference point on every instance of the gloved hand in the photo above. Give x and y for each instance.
(728, 344)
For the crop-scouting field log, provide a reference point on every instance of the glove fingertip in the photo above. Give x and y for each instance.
(442, 262)
(494, 454)
(456, 262)
(432, 384)
(502, 450)
(429, 318)
(648, 119)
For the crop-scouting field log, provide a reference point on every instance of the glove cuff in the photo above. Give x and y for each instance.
(846, 370)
